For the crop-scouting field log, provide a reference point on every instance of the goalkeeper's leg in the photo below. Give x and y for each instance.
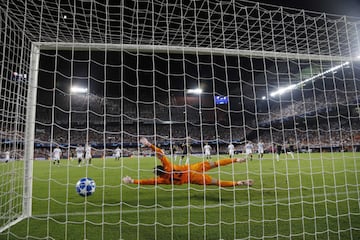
(206, 179)
(224, 162)
(206, 165)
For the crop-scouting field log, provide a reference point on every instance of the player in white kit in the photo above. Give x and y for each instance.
(7, 156)
(88, 156)
(260, 147)
(207, 151)
(57, 155)
(79, 153)
(249, 149)
(117, 153)
(231, 150)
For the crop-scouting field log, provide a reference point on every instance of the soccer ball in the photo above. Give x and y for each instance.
(85, 187)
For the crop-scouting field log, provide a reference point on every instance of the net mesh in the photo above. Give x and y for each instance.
(183, 74)
(14, 55)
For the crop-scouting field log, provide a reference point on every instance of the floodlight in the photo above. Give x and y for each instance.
(195, 91)
(76, 89)
(291, 87)
(283, 90)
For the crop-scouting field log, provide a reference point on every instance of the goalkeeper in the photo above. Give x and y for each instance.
(168, 173)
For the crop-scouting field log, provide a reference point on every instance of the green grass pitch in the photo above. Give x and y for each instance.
(314, 196)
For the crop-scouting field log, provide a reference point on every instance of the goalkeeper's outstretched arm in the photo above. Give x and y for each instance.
(128, 180)
(159, 153)
(220, 183)
(152, 181)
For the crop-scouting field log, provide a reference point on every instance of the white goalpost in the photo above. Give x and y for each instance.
(280, 85)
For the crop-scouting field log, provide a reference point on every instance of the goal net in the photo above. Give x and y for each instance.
(275, 86)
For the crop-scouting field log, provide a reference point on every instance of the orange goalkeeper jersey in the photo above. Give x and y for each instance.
(180, 174)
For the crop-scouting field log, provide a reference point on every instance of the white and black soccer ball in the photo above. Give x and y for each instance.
(85, 187)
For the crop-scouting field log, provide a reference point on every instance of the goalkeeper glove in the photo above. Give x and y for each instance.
(145, 142)
(128, 180)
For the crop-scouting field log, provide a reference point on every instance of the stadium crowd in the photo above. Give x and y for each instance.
(335, 133)
(327, 123)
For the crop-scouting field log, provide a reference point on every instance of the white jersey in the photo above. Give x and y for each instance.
(57, 153)
(7, 156)
(231, 149)
(88, 152)
(117, 152)
(79, 152)
(260, 147)
(207, 150)
(249, 148)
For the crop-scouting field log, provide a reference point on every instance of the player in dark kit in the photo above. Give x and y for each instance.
(278, 151)
(290, 150)
(186, 150)
(173, 151)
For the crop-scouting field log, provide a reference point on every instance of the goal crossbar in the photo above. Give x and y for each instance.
(190, 50)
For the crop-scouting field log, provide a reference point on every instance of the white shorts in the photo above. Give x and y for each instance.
(248, 151)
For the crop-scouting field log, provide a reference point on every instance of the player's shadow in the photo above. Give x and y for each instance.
(209, 198)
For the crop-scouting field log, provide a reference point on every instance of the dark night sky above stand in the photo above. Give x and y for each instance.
(193, 77)
(345, 7)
